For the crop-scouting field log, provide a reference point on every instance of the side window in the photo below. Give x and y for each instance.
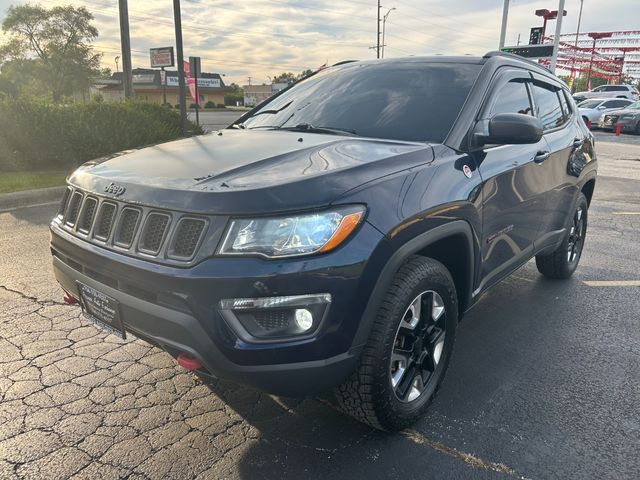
(566, 108)
(616, 103)
(548, 108)
(513, 98)
(598, 89)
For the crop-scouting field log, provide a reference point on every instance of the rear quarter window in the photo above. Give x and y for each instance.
(548, 108)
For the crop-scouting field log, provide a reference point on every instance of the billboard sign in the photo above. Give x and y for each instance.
(531, 51)
(161, 57)
(172, 81)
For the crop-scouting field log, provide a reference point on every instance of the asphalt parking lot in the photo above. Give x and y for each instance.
(544, 383)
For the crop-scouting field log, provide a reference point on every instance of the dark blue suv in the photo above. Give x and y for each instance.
(332, 238)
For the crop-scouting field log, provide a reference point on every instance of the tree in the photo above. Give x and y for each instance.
(286, 77)
(50, 48)
(305, 73)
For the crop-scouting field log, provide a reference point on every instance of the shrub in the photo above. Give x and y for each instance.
(43, 136)
(220, 105)
(209, 104)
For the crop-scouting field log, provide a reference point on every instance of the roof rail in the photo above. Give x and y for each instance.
(343, 62)
(498, 53)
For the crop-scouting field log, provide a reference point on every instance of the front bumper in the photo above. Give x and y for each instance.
(177, 308)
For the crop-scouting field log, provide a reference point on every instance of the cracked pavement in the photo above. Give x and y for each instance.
(544, 382)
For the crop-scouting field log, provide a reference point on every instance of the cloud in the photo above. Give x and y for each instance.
(260, 39)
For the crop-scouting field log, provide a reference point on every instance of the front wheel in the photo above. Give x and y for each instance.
(562, 262)
(408, 350)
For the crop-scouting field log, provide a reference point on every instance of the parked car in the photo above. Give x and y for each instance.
(628, 119)
(593, 110)
(333, 237)
(609, 91)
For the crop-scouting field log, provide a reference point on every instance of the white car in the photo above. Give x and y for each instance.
(593, 110)
(609, 91)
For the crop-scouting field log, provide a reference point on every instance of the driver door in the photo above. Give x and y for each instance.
(513, 190)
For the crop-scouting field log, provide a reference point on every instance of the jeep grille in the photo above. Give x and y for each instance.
(167, 236)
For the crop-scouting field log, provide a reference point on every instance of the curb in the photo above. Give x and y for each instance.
(30, 198)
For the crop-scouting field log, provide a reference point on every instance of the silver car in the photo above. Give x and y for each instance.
(592, 111)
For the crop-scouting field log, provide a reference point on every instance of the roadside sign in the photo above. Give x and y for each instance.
(194, 67)
(535, 37)
(161, 57)
(531, 51)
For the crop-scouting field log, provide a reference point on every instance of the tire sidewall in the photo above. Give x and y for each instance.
(389, 405)
(581, 200)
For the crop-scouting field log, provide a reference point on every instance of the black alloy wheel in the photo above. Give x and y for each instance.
(418, 346)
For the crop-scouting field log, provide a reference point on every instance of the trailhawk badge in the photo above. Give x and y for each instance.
(117, 190)
(467, 171)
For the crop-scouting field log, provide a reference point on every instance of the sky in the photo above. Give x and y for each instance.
(263, 38)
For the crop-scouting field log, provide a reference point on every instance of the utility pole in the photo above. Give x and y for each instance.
(503, 30)
(125, 42)
(556, 38)
(177, 19)
(378, 33)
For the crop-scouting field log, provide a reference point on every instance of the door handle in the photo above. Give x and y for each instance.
(577, 143)
(541, 156)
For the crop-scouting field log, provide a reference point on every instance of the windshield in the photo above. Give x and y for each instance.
(401, 101)
(590, 104)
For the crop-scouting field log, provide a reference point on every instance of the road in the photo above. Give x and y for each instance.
(544, 382)
(215, 120)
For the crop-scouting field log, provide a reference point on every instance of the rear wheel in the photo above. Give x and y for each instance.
(562, 262)
(408, 351)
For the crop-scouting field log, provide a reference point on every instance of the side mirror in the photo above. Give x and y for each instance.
(601, 107)
(509, 128)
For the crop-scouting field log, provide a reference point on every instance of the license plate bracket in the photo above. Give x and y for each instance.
(101, 309)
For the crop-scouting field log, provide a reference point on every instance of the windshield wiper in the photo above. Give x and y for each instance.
(307, 127)
(242, 126)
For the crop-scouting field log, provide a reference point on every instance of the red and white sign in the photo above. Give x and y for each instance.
(191, 82)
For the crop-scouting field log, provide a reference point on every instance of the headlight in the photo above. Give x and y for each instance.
(291, 235)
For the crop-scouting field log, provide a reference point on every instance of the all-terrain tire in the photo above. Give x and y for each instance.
(561, 263)
(368, 394)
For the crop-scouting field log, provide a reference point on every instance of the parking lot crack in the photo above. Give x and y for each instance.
(43, 303)
(467, 458)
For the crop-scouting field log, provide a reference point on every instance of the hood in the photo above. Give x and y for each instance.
(248, 171)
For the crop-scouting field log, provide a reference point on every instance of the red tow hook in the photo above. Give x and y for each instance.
(188, 361)
(69, 300)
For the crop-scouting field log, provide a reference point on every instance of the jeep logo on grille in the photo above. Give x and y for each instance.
(117, 190)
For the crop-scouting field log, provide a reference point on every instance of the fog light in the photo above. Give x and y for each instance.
(304, 319)
(275, 318)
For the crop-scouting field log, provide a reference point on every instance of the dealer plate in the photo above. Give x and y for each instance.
(101, 309)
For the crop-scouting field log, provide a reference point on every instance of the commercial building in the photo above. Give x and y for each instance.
(151, 86)
(255, 94)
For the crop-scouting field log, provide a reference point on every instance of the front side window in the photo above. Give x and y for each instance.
(616, 103)
(412, 101)
(548, 108)
(512, 98)
(598, 89)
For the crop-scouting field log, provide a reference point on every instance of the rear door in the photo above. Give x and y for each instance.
(563, 138)
(513, 191)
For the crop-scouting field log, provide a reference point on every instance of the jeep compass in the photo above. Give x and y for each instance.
(331, 239)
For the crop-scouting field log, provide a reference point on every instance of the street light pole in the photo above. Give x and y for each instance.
(384, 28)
(503, 30)
(177, 19)
(575, 46)
(556, 39)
